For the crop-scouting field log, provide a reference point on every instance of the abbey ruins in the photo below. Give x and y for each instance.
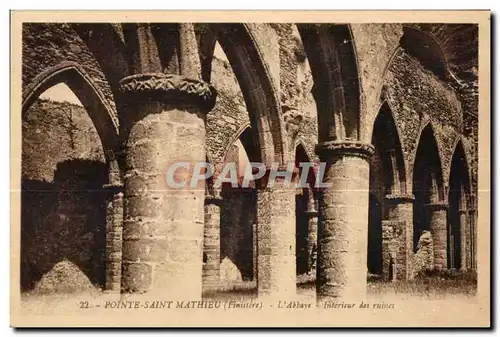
(391, 108)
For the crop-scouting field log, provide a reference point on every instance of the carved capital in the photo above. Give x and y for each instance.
(312, 214)
(400, 198)
(437, 206)
(114, 188)
(169, 88)
(213, 200)
(345, 148)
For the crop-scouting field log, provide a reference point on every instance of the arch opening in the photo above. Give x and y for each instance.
(70, 74)
(459, 235)
(63, 207)
(238, 216)
(387, 177)
(427, 182)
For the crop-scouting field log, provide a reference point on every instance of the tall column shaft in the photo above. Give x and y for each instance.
(276, 242)
(163, 226)
(211, 240)
(473, 239)
(473, 230)
(462, 213)
(400, 211)
(114, 223)
(438, 221)
(312, 237)
(255, 254)
(343, 220)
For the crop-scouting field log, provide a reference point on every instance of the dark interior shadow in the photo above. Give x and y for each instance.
(65, 219)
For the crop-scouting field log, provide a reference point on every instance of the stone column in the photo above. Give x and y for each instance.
(255, 255)
(462, 214)
(163, 226)
(472, 239)
(211, 240)
(312, 238)
(343, 219)
(392, 232)
(276, 278)
(114, 226)
(437, 215)
(399, 208)
(473, 229)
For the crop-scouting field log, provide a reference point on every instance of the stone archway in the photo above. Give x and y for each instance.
(71, 74)
(67, 166)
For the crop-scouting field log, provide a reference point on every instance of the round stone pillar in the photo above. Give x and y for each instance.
(211, 240)
(472, 239)
(114, 223)
(343, 219)
(399, 208)
(438, 220)
(472, 231)
(163, 225)
(464, 223)
(276, 265)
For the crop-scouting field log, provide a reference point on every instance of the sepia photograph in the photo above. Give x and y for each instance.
(266, 169)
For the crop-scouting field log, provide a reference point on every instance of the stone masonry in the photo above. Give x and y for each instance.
(390, 110)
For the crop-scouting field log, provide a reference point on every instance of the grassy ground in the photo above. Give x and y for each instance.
(431, 287)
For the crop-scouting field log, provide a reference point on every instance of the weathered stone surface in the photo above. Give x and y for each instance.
(211, 241)
(438, 223)
(375, 45)
(172, 236)
(46, 45)
(276, 242)
(343, 214)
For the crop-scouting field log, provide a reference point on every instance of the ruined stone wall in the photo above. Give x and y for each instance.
(417, 96)
(229, 115)
(63, 205)
(54, 132)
